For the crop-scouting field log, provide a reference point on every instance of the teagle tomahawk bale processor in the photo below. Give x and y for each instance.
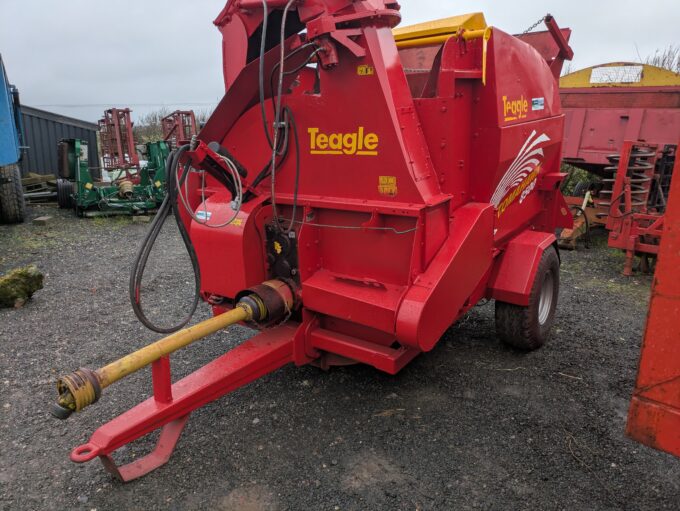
(355, 192)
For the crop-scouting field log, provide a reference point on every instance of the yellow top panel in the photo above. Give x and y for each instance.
(620, 74)
(443, 27)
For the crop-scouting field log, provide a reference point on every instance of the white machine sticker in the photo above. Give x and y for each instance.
(203, 215)
(538, 104)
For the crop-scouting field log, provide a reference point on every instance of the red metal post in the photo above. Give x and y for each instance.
(654, 417)
(162, 380)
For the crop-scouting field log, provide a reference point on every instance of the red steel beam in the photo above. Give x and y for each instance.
(654, 417)
(386, 359)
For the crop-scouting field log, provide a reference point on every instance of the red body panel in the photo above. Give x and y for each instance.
(439, 295)
(436, 183)
(245, 243)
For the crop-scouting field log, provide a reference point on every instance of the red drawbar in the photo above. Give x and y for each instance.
(249, 361)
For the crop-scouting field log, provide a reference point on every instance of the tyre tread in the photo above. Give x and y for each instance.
(12, 205)
(517, 325)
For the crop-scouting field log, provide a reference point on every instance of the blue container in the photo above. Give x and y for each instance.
(10, 121)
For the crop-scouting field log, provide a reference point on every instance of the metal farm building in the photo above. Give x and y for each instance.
(43, 132)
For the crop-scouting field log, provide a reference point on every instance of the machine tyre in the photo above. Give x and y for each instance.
(12, 205)
(528, 328)
(64, 191)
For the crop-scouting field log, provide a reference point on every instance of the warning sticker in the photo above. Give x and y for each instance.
(387, 185)
(365, 70)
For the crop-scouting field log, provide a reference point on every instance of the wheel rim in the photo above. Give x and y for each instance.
(546, 299)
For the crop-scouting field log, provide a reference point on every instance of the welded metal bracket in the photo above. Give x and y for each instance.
(165, 446)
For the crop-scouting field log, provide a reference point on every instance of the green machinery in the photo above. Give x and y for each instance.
(130, 191)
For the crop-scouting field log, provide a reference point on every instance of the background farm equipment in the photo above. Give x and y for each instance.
(117, 141)
(131, 187)
(639, 195)
(12, 207)
(351, 231)
(629, 202)
(127, 193)
(605, 106)
(179, 127)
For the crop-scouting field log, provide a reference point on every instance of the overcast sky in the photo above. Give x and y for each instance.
(78, 57)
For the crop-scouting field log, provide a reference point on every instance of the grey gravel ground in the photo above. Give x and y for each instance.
(470, 425)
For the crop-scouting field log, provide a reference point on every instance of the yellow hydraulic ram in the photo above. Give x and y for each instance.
(83, 387)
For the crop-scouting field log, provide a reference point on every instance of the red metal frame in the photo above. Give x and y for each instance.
(633, 227)
(654, 417)
(412, 204)
(117, 140)
(179, 127)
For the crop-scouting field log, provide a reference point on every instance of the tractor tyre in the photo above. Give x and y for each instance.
(12, 205)
(528, 328)
(64, 193)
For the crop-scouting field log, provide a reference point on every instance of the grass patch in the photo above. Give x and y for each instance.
(113, 223)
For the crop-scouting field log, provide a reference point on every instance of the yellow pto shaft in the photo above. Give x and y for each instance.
(139, 359)
(84, 386)
(267, 303)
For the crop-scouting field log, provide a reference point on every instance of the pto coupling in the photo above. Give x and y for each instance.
(265, 304)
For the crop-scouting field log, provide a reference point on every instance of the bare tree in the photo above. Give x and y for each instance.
(149, 128)
(667, 58)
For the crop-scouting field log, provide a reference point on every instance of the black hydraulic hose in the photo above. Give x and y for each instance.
(289, 113)
(290, 72)
(265, 172)
(263, 47)
(169, 204)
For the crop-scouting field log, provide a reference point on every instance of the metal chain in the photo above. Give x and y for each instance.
(535, 24)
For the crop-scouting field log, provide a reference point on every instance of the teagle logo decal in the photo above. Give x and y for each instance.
(515, 109)
(520, 179)
(358, 143)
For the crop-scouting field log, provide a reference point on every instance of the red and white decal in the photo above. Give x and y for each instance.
(520, 178)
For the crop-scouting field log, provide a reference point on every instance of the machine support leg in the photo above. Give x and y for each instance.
(170, 434)
(630, 258)
(162, 380)
(257, 357)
